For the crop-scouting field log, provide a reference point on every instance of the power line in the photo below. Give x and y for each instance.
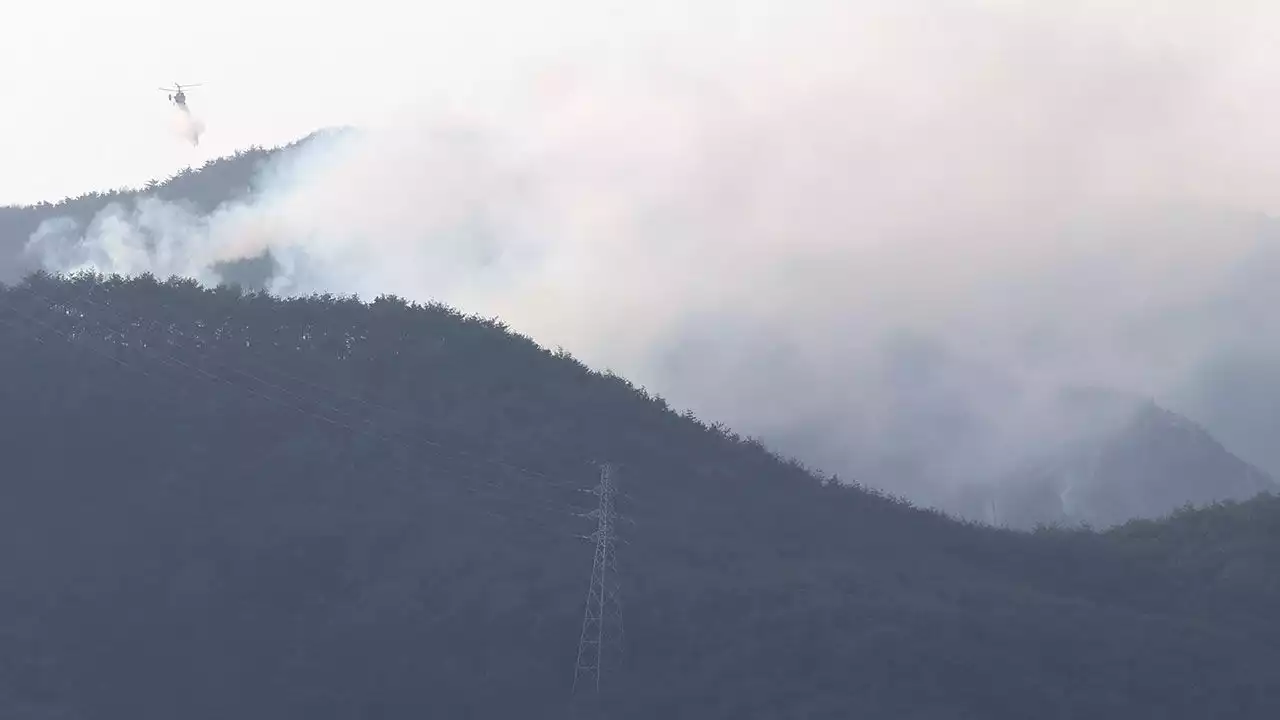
(600, 642)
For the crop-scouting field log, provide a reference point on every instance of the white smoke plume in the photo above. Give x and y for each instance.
(883, 235)
(187, 125)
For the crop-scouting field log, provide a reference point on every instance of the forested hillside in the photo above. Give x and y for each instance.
(230, 505)
(1145, 467)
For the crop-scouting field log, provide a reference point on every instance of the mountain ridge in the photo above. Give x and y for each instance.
(181, 545)
(1149, 462)
(237, 177)
(205, 188)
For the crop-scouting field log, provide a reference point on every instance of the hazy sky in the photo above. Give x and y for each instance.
(80, 77)
(876, 227)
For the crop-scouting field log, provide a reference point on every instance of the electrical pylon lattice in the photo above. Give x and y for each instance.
(600, 645)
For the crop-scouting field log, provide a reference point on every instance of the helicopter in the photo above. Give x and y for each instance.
(177, 96)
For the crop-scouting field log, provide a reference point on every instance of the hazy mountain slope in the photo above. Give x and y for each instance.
(1144, 462)
(189, 532)
(203, 189)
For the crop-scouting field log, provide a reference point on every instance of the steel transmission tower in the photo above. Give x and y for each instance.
(600, 645)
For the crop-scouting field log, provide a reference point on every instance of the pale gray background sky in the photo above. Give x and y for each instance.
(79, 77)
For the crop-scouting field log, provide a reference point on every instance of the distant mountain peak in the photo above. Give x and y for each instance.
(1153, 463)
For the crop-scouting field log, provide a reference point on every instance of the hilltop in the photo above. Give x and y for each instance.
(1154, 481)
(203, 189)
(226, 504)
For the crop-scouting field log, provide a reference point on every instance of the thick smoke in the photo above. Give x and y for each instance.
(885, 236)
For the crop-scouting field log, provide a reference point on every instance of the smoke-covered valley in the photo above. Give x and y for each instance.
(890, 238)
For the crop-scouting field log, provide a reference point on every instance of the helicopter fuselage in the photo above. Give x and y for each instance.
(178, 96)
